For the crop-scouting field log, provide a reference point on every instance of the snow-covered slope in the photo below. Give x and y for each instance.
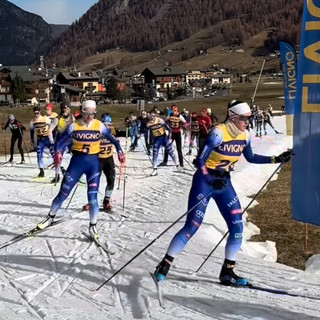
(53, 275)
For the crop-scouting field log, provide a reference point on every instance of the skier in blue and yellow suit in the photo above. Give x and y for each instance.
(157, 127)
(216, 159)
(86, 135)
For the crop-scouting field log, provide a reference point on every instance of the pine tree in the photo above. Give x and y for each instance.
(112, 90)
(18, 89)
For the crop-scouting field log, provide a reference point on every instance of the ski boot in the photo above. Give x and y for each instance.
(106, 205)
(46, 222)
(93, 232)
(55, 179)
(154, 172)
(22, 161)
(179, 168)
(41, 173)
(85, 207)
(163, 267)
(162, 164)
(10, 160)
(228, 277)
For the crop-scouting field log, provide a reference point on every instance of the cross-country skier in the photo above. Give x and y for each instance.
(106, 165)
(158, 129)
(222, 149)
(142, 130)
(175, 122)
(267, 120)
(16, 128)
(132, 126)
(259, 122)
(204, 127)
(86, 133)
(53, 116)
(195, 129)
(64, 120)
(41, 126)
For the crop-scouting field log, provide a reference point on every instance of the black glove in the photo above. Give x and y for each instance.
(215, 183)
(283, 157)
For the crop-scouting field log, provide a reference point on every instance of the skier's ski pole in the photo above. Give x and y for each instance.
(154, 240)
(145, 149)
(255, 90)
(244, 210)
(75, 189)
(5, 146)
(124, 188)
(188, 162)
(25, 146)
(120, 175)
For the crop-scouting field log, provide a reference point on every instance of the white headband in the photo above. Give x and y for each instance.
(240, 108)
(88, 104)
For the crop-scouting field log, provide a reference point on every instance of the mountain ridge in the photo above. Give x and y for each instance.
(23, 34)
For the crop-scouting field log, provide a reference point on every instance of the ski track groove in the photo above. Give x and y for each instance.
(22, 295)
(53, 258)
(58, 276)
(73, 276)
(115, 288)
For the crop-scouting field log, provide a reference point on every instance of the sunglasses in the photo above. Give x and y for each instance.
(243, 118)
(37, 112)
(88, 114)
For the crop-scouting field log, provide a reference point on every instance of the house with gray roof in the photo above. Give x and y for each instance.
(161, 82)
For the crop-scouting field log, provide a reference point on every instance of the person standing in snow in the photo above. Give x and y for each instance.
(223, 147)
(86, 133)
(158, 128)
(16, 128)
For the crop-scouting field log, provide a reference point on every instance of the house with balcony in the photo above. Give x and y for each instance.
(221, 78)
(193, 75)
(163, 82)
(88, 81)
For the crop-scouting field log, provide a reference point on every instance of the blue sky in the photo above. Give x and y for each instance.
(56, 11)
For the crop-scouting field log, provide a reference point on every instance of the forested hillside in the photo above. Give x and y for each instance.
(141, 25)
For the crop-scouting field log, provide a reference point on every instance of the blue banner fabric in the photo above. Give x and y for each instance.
(305, 188)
